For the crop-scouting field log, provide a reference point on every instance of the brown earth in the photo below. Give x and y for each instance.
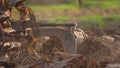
(96, 51)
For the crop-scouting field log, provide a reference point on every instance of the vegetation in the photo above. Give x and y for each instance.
(53, 7)
(92, 12)
(102, 4)
(102, 21)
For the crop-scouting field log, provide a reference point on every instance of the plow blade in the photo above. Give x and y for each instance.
(61, 31)
(66, 37)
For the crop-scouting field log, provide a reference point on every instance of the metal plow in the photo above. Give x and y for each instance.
(64, 32)
(64, 35)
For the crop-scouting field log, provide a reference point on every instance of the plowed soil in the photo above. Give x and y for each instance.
(46, 52)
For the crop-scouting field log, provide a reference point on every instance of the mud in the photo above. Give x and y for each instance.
(96, 51)
(57, 60)
(102, 44)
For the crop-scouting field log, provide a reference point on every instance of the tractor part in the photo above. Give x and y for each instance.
(61, 31)
(64, 32)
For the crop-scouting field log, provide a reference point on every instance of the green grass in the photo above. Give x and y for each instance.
(87, 21)
(113, 17)
(102, 4)
(58, 19)
(102, 21)
(90, 20)
(58, 13)
(86, 4)
(54, 7)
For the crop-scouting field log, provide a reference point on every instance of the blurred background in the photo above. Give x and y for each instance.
(48, 2)
(101, 13)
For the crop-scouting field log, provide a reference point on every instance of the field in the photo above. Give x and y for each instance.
(96, 39)
(91, 12)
